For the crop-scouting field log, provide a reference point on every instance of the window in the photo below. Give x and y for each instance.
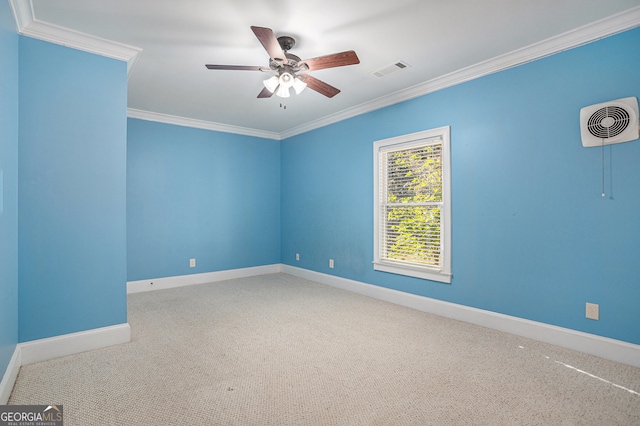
(412, 205)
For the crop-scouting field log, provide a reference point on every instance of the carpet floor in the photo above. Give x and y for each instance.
(279, 350)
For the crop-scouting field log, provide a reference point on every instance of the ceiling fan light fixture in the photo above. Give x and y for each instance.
(286, 64)
(286, 80)
(272, 83)
(283, 91)
(299, 85)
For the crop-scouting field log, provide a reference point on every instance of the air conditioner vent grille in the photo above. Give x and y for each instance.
(390, 69)
(608, 122)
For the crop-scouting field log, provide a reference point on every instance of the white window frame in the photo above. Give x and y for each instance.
(442, 274)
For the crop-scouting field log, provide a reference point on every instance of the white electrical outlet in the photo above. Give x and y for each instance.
(297, 256)
(192, 263)
(331, 264)
(593, 311)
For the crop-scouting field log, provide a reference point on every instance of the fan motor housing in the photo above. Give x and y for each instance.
(610, 122)
(286, 42)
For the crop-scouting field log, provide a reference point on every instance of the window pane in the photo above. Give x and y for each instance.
(412, 234)
(414, 175)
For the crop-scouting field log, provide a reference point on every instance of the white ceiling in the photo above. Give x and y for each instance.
(435, 37)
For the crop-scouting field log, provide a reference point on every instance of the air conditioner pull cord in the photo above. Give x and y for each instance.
(603, 195)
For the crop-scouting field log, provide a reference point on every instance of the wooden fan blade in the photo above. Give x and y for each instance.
(331, 61)
(320, 86)
(265, 93)
(269, 42)
(237, 67)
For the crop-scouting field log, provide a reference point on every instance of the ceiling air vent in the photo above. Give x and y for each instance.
(390, 69)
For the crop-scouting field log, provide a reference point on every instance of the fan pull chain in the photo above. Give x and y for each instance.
(603, 168)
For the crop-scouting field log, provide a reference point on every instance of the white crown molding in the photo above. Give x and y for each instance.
(22, 13)
(597, 30)
(199, 124)
(28, 25)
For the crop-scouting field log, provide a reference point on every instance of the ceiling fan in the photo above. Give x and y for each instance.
(288, 65)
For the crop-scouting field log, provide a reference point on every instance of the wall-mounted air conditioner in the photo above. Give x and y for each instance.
(610, 122)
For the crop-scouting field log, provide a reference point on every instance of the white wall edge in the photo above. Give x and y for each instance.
(73, 343)
(603, 347)
(203, 278)
(10, 376)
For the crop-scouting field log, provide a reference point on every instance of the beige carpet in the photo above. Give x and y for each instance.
(278, 350)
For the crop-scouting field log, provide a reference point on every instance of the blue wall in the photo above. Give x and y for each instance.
(532, 236)
(8, 186)
(194, 193)
(72, 186)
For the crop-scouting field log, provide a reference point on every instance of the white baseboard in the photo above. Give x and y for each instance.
(73, 343)
(193, 279)
(58, 346)
(603, 347)
(69, 344)
(10, 375)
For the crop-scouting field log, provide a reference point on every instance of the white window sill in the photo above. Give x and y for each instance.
(413, 271)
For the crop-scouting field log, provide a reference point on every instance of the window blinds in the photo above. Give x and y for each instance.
(411, 202)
